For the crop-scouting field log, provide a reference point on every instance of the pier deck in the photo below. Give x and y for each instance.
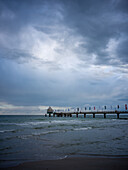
(93, 113)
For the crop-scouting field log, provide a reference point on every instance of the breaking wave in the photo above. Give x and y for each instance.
(85, 128)
(5, 131)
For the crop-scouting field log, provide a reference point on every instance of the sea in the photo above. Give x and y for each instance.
(33, 138)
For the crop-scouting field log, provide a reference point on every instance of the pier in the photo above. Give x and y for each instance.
(93, 113)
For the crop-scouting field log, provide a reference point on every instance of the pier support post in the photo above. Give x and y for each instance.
(118, 116)
(93, 115)
(53, 114)
(49, 115)
(104, 115)
(84, 115)
(77, 115)
(64, 115)
(70, 115)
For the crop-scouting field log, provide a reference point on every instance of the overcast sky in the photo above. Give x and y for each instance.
(63, 52)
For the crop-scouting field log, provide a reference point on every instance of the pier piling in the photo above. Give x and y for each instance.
(118, 116)
(93, 115)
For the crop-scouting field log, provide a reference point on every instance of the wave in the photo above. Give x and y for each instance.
(85, 128)
(66, 121)
(63, 145)
(34, 123)
(39, 127)
(100, 155)
(37, 134)
(5, 131)
(45, 133)
(3, 149)
(64, 157)
(25, 124)
(24, 136)
(52, 131)
(9, 124)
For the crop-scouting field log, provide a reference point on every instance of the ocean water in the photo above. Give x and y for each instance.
(31, 138)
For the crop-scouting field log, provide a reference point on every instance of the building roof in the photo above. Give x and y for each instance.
(49, 110)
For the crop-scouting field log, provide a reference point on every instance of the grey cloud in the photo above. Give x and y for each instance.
(22, 56)
(15, 54)
(122, 51)
(98, 23)
(124, 100)
(44, 29)
(122, 6)
(27, 12)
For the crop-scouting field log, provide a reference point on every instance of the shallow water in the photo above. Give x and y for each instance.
(28, 138)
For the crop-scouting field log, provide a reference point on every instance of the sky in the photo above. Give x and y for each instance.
(62, 53)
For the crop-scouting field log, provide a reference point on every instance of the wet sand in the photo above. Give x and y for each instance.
(79, 163)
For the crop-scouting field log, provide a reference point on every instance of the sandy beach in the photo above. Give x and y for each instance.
(76, 164)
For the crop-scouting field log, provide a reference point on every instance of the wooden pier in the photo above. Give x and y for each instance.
(70, 114)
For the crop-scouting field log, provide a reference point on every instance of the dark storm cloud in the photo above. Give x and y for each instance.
(122, 6)
(122, 51)
(99, 22)
(15, 54)
(124, 100)
(16, 14)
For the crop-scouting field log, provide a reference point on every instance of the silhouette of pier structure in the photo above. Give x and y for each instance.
(53, 113)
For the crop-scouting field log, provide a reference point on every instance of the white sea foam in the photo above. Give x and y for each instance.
(85, 128)
(31, 123)
(45, 133)
(65, 121)
(63, 157)
(4, 131)
(24, 136)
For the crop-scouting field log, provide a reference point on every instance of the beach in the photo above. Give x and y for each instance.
(76, 164)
